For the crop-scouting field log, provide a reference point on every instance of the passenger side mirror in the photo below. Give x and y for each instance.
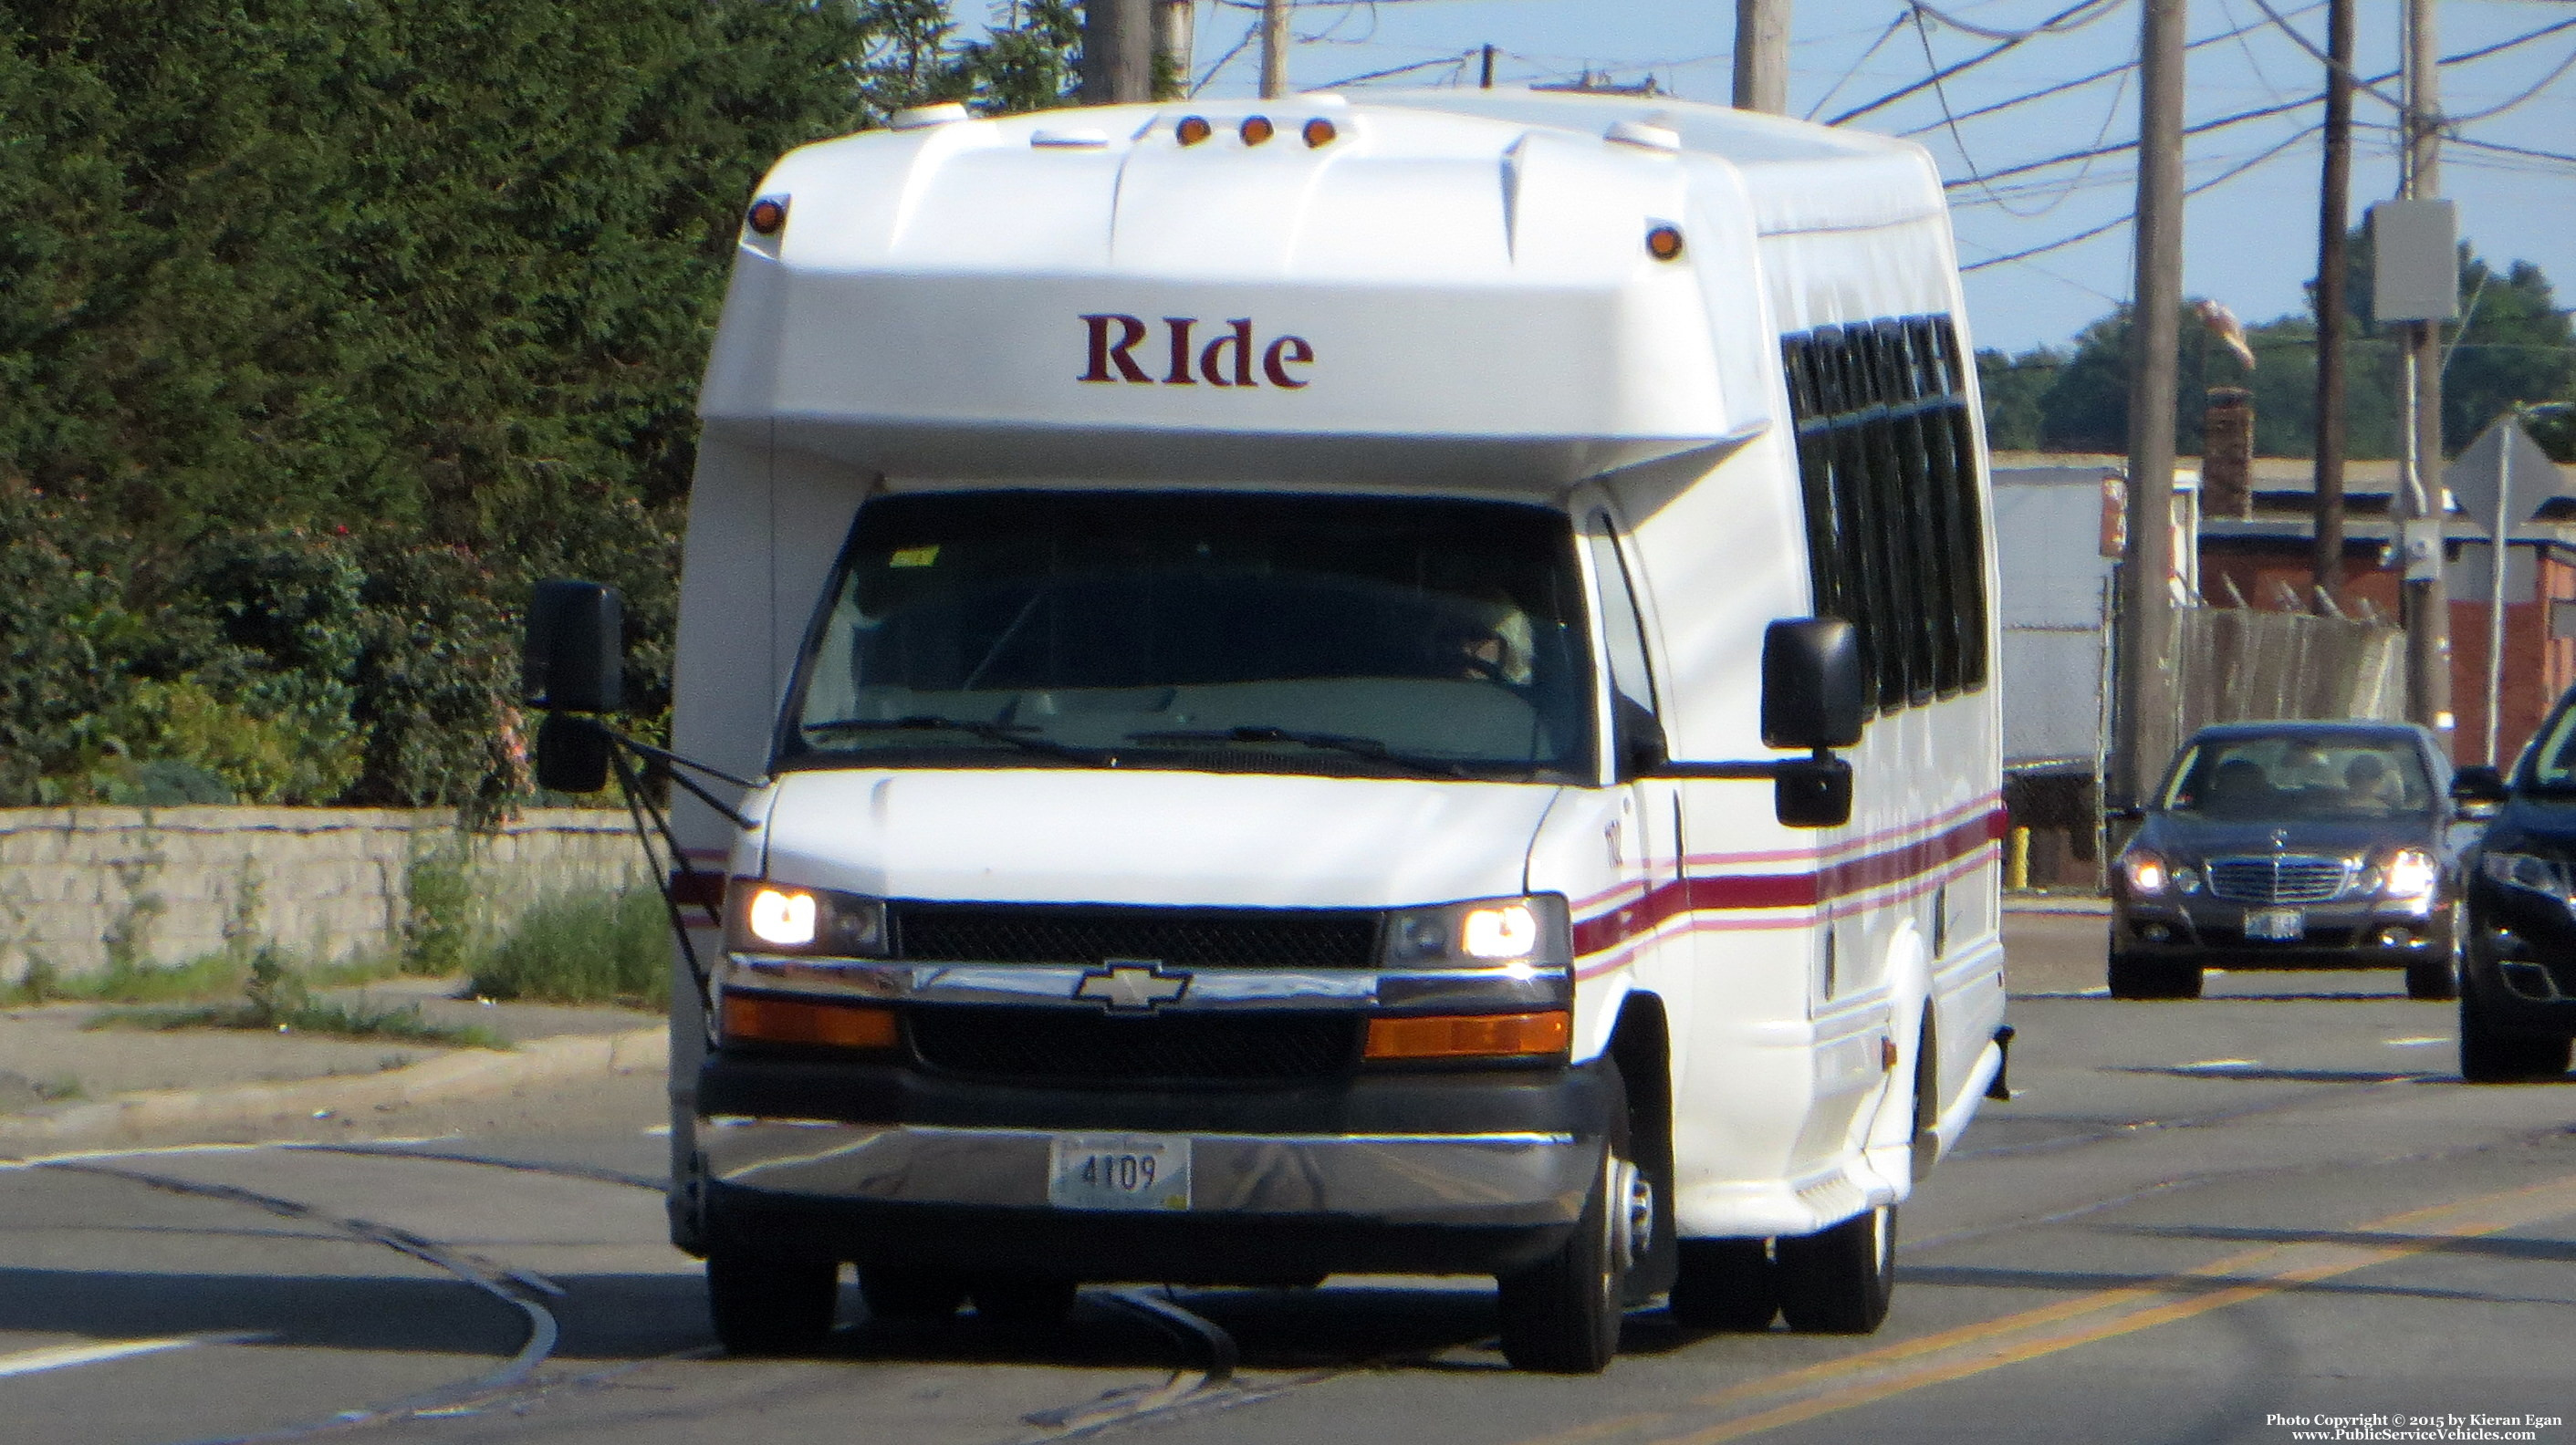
(1812, 693)
(575, 656)
(572, 754)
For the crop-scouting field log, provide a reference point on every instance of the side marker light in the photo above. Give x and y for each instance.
(1664, 243)
(1256, 129)
(1192, 130)
(768, 215)
(1319, 133)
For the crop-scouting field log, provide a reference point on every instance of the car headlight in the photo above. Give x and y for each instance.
(1534, 929)
(2145, 870)
(766, 917)
(2409, 873)
(2529, 872)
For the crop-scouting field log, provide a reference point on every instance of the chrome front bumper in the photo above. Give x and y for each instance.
(1434, 1179)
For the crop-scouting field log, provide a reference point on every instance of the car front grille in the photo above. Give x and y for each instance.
(2288, 878)
(1079, 1046)
(1091, 934)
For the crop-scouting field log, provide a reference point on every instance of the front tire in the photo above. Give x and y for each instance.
(1839, 1281)
(2156, 978)
(893, 1292)
(767, 1305)
(1561, 1316)
(2488, 1056)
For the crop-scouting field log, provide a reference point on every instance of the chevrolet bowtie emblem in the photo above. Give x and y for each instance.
(1132, 985)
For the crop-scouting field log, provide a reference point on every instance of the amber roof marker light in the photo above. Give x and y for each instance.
(1664, 243)
(1319, 133)
(1256, 129)
(1192, 130)
(768, 215)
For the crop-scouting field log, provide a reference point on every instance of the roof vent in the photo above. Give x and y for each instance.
(1644, 136)
(1069, 140)
(922, 117)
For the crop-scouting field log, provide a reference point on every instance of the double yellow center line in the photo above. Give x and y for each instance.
(1936, 1359)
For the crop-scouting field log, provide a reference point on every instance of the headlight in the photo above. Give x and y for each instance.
(1531, 930)
(2529, 872)
(2145, 870)
(2409, 873)
(766, 917)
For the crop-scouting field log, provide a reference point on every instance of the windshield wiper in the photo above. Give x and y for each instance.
(1370, 748)
(1015, 735)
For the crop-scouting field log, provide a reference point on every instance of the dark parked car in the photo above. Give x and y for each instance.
(2518, 959)
(2290, 845)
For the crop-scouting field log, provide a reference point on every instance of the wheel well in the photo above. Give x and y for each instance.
(1641, 1045)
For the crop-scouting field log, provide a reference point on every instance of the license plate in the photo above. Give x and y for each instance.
(1119, 1171)
(2279, 924)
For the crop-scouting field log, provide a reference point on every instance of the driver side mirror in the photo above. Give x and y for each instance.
(575, 655)
(2478, 789)
(1813, 697)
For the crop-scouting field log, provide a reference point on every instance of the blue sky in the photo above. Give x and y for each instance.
(2249, 241)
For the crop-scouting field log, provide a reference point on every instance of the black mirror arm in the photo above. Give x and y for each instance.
(1768, 769)
(639, 808)
(676, 761)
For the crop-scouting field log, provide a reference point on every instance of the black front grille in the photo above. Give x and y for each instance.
(1078, 1045)
(1089, 934)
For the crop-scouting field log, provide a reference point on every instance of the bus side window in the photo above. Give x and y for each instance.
(1906, 645)
(1623, 638)
(1828, 559)
(1928, 622)
(1859, 520)
(1968, 550)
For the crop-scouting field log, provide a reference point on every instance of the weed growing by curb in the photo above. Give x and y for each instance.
(277, 999)
(584, 948)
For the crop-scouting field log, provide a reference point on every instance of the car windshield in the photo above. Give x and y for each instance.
(2292, 776)
(1272, 633)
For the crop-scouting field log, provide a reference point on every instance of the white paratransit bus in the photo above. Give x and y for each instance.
(1385, 687)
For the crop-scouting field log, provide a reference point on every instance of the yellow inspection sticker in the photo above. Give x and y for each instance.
(915, 556)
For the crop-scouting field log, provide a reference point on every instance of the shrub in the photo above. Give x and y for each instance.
(584, 948)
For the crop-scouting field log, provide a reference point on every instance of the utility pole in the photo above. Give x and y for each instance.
(1485, 80)
(1274, 49)
(2428, 611)
(2334, 205)
(2146, 603)
(1762, 55)
(1175, 47)
(1117, 52)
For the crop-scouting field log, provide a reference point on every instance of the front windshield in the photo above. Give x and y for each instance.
(1271, 633)
(2304, 775)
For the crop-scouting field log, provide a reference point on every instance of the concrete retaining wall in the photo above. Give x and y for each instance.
(79, 885)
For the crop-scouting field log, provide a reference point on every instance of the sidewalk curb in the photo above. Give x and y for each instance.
(462, 1075)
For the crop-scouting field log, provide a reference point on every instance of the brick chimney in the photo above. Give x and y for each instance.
(2227, 453)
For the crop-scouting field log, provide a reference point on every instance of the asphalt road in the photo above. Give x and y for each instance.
(2192, 1220)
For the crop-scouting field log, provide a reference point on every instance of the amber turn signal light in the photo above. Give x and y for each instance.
(768, 215)
(1192, 130)
(1256, 129)
(1319, 133)
(1664, 243)
(766, 1019)
(1470, 1036)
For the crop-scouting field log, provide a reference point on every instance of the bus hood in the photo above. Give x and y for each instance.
(1046, 835)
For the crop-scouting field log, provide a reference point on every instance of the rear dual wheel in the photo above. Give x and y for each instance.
(1838, 1281)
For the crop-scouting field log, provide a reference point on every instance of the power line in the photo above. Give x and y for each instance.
(1854, 68)
(1979, 59)
(2047, 27)
(2105, 73)
(2114, 224)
